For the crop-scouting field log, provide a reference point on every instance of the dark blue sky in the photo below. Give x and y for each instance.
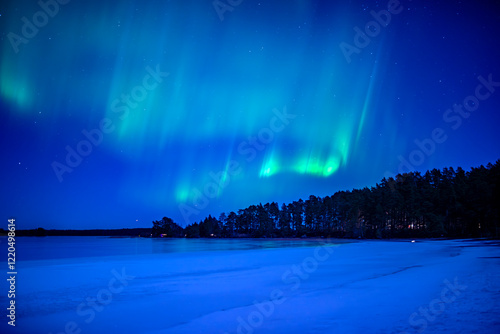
(117, 113)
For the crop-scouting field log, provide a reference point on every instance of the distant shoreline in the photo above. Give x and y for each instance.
(123, 232)
(140, 232)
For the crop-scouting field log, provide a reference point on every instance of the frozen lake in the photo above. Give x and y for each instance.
(45, 248)
(135, 285)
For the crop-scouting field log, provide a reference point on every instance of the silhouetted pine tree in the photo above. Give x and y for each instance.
(448, 202)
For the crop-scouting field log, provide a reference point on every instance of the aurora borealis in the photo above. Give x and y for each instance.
(156, 102)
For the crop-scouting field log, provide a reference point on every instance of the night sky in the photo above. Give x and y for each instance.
(117, 113)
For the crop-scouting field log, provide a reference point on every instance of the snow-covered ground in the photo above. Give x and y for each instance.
(360, 287)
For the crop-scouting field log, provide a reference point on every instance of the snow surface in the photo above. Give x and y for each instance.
(359, 287)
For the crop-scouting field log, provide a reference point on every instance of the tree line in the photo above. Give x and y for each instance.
(438, 203)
